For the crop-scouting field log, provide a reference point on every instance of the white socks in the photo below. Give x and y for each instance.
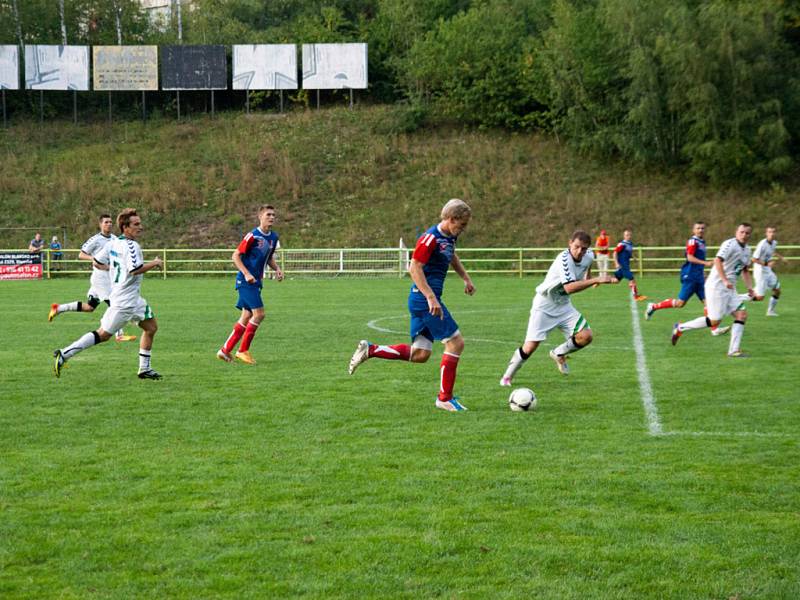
(68, 307)
(144, 360)
(567, 347)
(773, 301)
(736, 336)
(87, 340)
(697, 323)
(516, 362)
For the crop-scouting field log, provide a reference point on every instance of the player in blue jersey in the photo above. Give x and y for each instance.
(622, 259)
(435, 252)
(692, 277)
(256, 250)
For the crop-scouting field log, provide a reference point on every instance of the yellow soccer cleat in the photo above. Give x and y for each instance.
(125, 338)
(245, 357)
(53, 312)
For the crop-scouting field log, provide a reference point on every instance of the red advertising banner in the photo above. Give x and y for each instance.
(21, 265)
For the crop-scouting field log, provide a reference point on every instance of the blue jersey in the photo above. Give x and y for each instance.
(255, 250)
(434, 250)
(691, 271)
(624, 252)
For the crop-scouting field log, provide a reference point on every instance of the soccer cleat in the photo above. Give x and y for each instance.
(772, 313)
(452, 405)
(651, 308)
(59, 363)
(676, 333)
(222, 355)
(359, 356)
(738, 354)
(721, 330)
(149, 374)
(505, 381)
(245, 357)
(53, 312)
(561, 362)
(640, 298)
(125, 338)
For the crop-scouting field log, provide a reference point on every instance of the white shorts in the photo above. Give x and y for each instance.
(115, 318)
(765, 279)
(722, 302)
(544, 319)
(602, 263)
(99, 291)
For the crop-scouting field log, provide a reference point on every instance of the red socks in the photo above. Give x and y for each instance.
(396, 352)
(448, 376)
(668, 303)
(233, 339)
(249, 332)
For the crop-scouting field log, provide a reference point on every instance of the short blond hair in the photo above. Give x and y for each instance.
(456, 209)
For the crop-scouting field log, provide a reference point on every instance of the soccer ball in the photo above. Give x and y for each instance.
(522, 399)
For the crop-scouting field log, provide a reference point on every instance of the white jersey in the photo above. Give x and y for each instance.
(765, 250)
(124, 255)
(96, 247)
(735, 257)
(563, 270)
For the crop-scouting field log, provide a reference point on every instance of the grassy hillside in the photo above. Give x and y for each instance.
(338, 181)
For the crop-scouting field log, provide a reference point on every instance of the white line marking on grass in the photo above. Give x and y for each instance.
(648, 401)
(767, 434)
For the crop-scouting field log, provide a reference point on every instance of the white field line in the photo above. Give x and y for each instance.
(648, 401)
(767, 434)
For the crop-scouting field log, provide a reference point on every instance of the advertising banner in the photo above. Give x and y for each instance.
(125, 68)
(265, 67)
(9, 67)
(57, 67)
(334, 66)
(194, 68)
(20, 265)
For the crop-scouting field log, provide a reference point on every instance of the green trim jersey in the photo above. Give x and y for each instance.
(96, 247)
(125, 256)
(735, 258)
(563, 270)
(765, 250)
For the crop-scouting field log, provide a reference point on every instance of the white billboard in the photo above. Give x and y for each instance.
(265, 67)
(9, 67)
(334, 66)
(57, 67)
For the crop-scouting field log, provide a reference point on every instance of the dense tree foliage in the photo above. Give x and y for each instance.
(710, 85)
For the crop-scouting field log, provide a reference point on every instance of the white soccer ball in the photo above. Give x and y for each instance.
(521, 400)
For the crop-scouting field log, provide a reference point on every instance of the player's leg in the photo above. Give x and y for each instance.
(243, 303)
(539, 324)
(716, 303)
(687, 289)
(417, 352)
(577, 334)
(634, 289)
(249, 333)
(776, 294)
(737, 331)
(78, 306)
(109, 322)
(149, 328)
(453, 348)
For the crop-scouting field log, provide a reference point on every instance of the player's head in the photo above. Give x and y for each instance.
(579, 244)
(770, 233)
(456, 215)
(627, 234)
(699, 229)
(603, 232)
(266, 216)
(743, 232)
(129, 223)
(106, 223)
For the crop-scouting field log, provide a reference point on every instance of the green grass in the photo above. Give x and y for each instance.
(291, 478)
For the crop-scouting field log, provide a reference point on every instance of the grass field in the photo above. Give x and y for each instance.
(291, 478)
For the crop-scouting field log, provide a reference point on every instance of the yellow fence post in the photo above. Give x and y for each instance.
(164, 263)
(641, 264)
(520, 264)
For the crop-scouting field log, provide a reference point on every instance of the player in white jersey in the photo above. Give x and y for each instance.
(100, 283)
(552, 307)
(763, 260)
(127, 268)
(733, 258)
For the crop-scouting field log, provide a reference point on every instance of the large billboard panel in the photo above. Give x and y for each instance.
(334, 66)
(9, 67)
(194, 68)
(125, 68)
(265, 67)
(57, 67)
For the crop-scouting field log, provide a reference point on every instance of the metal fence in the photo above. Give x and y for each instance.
(384, 261)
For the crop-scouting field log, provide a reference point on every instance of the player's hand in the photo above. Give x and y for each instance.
(434, 307)
(278, 274)
(249, 278)
(156, 262)
(469, 287)
(751, 292)
(728, 285)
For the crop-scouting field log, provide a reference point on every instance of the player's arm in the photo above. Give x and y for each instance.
(458, 267)
(274, 266)
(748, 281)
(691, 247)
(616, 262)
(419, 279)
(574, 287)
(242, 248)
(718, 265)
(148, 266)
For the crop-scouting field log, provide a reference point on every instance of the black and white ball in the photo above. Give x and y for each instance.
(522, 399)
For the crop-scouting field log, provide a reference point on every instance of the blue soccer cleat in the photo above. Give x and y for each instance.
(452, 405)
